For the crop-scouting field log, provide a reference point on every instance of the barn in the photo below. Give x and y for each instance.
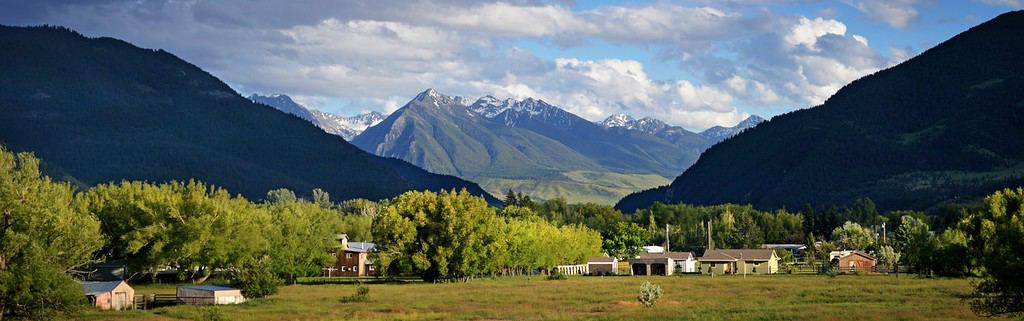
(209, 294)
(109, 295)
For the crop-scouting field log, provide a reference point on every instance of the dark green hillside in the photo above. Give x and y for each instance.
(945, 125)
(104, 110)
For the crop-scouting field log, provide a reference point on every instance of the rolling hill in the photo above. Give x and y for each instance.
(98, 110)
(943, 126)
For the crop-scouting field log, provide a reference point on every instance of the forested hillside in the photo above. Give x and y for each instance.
(101, 110)
(943, 126)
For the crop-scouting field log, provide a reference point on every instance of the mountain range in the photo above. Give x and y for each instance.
(531, 146)
(678, 134)
(346, 127)
(944, 126)
(98, 110)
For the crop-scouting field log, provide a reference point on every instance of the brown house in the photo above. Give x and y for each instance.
(849, 261)
(352, 259)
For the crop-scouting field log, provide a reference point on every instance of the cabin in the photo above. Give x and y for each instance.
(739, 261)
(602, 265)
(109, 295)
(851, 261)
(208, 294)
(666, 263)
(352, 259)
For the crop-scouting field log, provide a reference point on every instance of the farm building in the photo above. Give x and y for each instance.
(741, 261)
(209, 294)
(109, 295)
(352, 259)
(849, 261)
(666, 263)
(602, 265)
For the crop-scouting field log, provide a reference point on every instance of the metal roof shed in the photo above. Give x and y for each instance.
(209, 294)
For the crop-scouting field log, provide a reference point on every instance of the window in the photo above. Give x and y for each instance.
(343, 269)
(371, 268)
(355, 268)
(348, 255)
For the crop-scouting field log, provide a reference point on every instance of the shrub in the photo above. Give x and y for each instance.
(362, 294)
(649, 294)
(256, 281)
(211, 314)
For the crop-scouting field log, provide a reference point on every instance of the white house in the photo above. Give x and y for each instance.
(663, 263)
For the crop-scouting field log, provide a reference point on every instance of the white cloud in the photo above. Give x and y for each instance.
(896, 13)
(807, 31)
(351, 55)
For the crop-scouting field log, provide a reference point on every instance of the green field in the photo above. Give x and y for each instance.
(603, 298)
(579, 186)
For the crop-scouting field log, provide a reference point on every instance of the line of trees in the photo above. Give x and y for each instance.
(49, 232)
(455, 236)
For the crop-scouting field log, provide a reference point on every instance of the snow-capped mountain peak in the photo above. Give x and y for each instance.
(490, 106)
(346, 127)
(618, 120)
(433, 97)
(720, 133)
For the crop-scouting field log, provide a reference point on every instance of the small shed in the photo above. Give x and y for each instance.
(602, 265)
(109, 295)
(209, 294)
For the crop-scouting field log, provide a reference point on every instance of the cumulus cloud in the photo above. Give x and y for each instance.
(899, 14)
(353, 55)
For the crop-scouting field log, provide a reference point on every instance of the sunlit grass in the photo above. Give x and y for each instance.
(605, 298)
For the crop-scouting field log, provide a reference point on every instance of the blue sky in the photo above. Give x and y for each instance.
(691, 63)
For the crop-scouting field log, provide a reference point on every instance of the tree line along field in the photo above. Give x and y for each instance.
(779, 297)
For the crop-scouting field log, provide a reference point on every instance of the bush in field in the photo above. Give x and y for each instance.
(256, 280)
(362, 294)
(649, 294)
(211, 314)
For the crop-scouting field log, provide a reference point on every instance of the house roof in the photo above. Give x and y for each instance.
(99, 287)
(208, 288)
(682, 256)
(360, 247)
(601, 259)
(737, 255)
(848, 253)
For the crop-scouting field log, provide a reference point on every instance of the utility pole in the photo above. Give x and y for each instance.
(711, 244)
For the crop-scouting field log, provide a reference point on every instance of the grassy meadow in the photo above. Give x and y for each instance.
(600, 298)
(580, 186)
